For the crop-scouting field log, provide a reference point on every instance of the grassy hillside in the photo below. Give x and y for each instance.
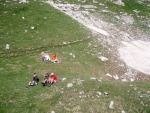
(35, 23)
(51, 30)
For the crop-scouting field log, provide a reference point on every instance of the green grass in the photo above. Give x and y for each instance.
(50, 26)
(18, 64)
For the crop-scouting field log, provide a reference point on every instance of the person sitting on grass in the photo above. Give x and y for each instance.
(45, 57)
(52, 79)
(45, 81)
(54, 59)
(34, 81)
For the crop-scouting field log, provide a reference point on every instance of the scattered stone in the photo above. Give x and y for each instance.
(136, 11)
(93, 78)
(123, 111)
(141, 96)
(105, 11)
(128, 19)
(100, 80)
(23, 1)
(105, 93)
(64, 42)
(79, 81)
(32, 27)
(119, 2)
(104, 59)
(60, 102)
(7, 46)
(69, 85)
(101, 4)
(81, 92)
(72, 55)
(108, 75)
(148, 91)
(53, 112)
(63, 79)
(95, 1)
(111, 105)
(131, 79)
(135, 88)
(116, 77)
(117, 17)
(124, 80)
(99, 93)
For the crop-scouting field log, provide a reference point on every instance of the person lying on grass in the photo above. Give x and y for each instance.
(34, 81)
(45, 81)
(45, 57)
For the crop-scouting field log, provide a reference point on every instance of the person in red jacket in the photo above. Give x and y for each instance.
(52, 79)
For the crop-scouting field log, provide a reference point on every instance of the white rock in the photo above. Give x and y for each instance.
(108, 75)
(32, 27)
(81, 92)
(119, 2)
(53, 112)
(105, 93)
(99, 93)
(123, 111)
(63, 79)
(104, 59)
(93, 78)
(128, 19)
(116, 77)
(23, 1)
(124, 80)
(73, 56)
(70, 54)
(117, 17)
(95, 1)
(60, 102)
(131, 79)
(148, 91)
(111, 105)
(69, 85)
(64, 42)
(100, 80)
(7, 46)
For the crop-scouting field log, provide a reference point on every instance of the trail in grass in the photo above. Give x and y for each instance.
(15, 53)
